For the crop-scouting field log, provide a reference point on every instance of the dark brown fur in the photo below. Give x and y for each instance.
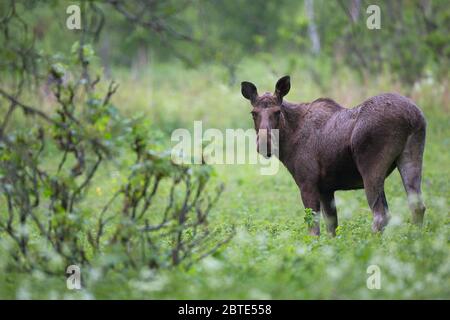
(327, 147)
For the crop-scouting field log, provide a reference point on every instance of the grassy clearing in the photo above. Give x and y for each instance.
(272, 255)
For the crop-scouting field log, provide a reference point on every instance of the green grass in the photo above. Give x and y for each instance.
(272, 256)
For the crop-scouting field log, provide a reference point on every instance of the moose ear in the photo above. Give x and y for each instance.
(249, 91)
(282, 87)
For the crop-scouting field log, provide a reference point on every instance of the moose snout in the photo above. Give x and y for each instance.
(263, 142)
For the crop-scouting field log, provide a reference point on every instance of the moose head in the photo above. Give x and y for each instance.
(266, 112)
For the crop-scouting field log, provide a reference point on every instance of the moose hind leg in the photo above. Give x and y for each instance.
(376, 199)
(374, 171)
(328, 208)
(409, 165)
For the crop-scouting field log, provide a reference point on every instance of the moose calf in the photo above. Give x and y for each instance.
(327, 147)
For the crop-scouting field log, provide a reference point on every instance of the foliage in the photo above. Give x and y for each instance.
(412, 42)
(86, 176)
(50, 159)
(272, 255)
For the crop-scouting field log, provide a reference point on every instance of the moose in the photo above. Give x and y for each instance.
(327, 147)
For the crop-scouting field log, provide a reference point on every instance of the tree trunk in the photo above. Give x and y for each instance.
(312, 27)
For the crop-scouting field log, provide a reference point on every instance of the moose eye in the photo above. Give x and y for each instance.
(253, 113)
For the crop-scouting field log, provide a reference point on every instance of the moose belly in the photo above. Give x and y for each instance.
(344, 176)
(341, 176)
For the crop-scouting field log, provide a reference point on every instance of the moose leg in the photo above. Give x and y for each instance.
(377, 202)
(411, 181)
(311, 199)
(409, 165)
(375, 149)
(373, 172)
(328, 207)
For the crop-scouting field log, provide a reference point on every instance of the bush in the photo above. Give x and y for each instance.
(48, 164)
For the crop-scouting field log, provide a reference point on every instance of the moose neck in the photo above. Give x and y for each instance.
(292, 118)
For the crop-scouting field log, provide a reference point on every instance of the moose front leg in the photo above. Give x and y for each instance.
(328, 207)
(311, 199)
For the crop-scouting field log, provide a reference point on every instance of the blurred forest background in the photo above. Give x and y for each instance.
(85, 172)
(411, 43)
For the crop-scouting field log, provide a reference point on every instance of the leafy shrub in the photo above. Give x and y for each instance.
(49, 162)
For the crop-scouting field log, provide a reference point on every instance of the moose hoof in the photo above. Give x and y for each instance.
(379, 223)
